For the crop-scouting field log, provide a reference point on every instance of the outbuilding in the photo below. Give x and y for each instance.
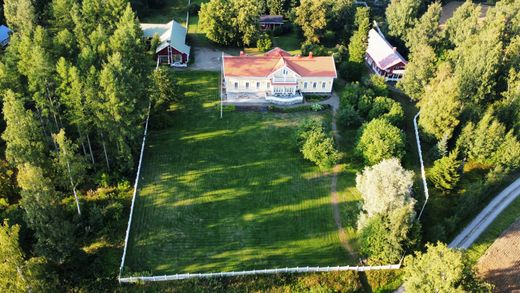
(173, 49)
(383, 58)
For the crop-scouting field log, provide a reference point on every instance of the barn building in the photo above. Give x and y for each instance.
(173, 49)
(383, 58)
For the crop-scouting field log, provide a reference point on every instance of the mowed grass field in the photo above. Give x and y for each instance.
(230, 194)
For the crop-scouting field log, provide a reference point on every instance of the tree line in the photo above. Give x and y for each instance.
(75, 86)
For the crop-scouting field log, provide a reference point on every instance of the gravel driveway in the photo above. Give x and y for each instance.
(206, 59)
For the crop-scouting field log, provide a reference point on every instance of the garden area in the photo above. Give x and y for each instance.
(233, 193)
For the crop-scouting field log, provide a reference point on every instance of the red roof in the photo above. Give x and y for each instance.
(277, 52)
(382, 52)
(263, 66)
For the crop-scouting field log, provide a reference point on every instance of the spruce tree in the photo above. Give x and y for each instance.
(445, 173)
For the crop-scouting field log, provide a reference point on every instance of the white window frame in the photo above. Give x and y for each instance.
(323, 85)
(257, 85)
(236, 85)
(247, 85)
(305, 85)
(314, 85)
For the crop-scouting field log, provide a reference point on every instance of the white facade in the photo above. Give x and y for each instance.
(283, 82)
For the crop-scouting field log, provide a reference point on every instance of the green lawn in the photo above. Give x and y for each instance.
(172, 9)
(232, 193)
(289, 42)
(499, 225)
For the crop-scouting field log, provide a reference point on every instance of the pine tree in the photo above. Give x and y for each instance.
(445, 173)
(69, 164)
(20, 15)
(23, 133)
(44, 215)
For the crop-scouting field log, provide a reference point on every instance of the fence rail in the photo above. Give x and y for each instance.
(258, 272)
(135, 191)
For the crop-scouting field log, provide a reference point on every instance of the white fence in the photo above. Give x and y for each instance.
(258, 272)
(423, 173)
(135, 191)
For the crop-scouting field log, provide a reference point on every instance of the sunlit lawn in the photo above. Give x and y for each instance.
(232, 193)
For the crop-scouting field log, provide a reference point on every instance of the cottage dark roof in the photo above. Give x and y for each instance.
(271, 19)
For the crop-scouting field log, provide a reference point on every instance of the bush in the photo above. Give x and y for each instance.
(351, 95)
(386, 108)
(194, 9)
(315, 145)
(305, 128)
(317, 50)
(378, 85)
(379, 140)
(384, 280)
(349, 117)
(300, 108)
(319, 149)
(351, 71)
(315, 98)
(316, 107)
(264, 43)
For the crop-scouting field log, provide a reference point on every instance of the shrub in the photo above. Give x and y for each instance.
(352, 71)
(264, 43)
(351, 94)
(384, 281)
(319, 149)
(349, 117)
(194, 9)
(378, 85)
(317, 50)
(379, 140)
(305, 128)
(386, 108)
(365, 104)
(316, 107)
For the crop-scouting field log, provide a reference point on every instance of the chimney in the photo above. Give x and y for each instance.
(395, 49)
(310, 55)
(242, 53)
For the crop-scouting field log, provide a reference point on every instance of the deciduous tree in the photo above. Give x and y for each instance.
(380, 140)
(311, 16)
(419, 71)
(401, 15)
(440, 269)
(426, 30)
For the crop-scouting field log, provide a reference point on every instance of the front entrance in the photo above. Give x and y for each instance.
(283, 91)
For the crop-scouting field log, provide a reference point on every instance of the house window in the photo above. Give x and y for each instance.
(323, 85)
(314, 84)
(247, 85)
(285, 72)
(236, 85)
(257, 85)
(268, 85)
(305, 85)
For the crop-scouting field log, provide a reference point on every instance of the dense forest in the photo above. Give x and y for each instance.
(74, 84)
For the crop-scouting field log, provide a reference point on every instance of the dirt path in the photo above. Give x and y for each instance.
(334, 102)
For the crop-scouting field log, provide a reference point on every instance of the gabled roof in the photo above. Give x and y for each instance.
(277, 52)
(172, 33)
(271, 19)
(384, 54)
(4, 33)
(263, 66)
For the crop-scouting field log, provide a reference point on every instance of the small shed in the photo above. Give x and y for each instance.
(5, 35)
(271, 21)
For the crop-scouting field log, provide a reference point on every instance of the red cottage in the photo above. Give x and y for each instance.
(383, 58)
(173, 49)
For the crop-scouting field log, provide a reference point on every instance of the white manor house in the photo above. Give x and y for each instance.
(276, 77)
